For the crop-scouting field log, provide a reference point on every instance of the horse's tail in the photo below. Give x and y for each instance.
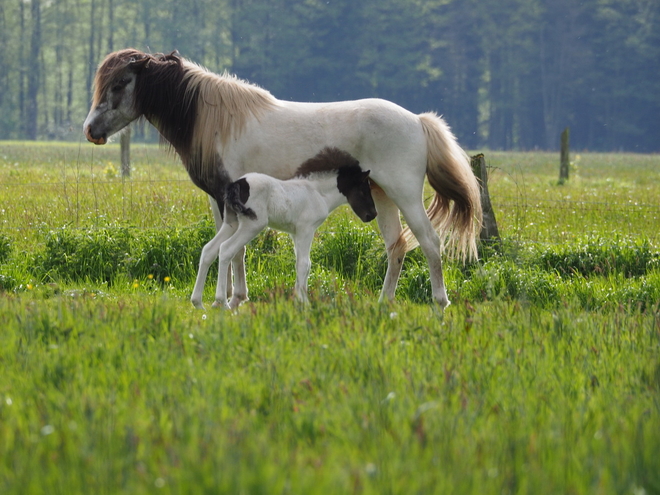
(449, 173)
(236, 195)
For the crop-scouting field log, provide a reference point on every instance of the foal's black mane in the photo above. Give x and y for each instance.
(330, 159)
(327, 160)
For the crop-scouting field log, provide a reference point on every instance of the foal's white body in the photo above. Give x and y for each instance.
(297, 206)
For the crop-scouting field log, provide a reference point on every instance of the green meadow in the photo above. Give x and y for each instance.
(543, 376)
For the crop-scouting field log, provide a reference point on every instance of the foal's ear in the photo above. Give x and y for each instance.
(365, 175)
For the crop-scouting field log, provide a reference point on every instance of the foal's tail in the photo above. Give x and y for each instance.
(236, 195)
(455, 211)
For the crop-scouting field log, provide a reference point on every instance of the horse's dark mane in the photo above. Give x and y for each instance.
(162, 95)
(166, 98)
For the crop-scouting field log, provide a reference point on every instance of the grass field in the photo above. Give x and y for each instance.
(543, 376)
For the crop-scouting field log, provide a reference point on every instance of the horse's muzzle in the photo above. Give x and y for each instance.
(96, 140)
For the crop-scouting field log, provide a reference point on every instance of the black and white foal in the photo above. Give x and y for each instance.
(297, 206)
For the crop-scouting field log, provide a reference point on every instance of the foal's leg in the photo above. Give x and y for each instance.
(239, 293)
(246, 231)
(419, 223)
(390, 228)
(217, 218)
(209, 254)
(302, 243)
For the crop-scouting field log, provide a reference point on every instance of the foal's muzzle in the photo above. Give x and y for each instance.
(368, 217)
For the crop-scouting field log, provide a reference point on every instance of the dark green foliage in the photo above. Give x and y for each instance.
(101, 255)
(5, 248)
(170, 253)
(415, 284)
(7, 282)
(599, 256)
(78, 255)
(346, 248)
(503, 278)
(594, 272)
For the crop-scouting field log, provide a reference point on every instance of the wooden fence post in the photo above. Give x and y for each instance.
(564, 156)
(125, 144)
(489, 230)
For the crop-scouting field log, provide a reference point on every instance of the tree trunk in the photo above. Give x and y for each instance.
(34, 72)
(489, 230)
(91, 60)
(564, 156)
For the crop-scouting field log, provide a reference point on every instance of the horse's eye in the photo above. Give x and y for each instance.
(121, 84)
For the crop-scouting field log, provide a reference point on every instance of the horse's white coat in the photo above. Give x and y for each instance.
(297, 206)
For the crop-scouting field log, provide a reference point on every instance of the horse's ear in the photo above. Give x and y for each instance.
(137, 64)
(365, 175)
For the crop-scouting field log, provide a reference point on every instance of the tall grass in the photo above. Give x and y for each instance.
(543, 376)
(342, 397)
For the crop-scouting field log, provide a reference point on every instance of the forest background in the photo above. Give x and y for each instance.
(506, 74)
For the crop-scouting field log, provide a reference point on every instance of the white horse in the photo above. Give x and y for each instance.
(297, 206)
(223, 127)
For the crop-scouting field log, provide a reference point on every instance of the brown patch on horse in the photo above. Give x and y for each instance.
(327, 160)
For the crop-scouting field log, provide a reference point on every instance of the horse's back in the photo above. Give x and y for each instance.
(379, 134)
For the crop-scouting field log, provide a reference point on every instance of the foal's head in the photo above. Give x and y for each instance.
(353, 183)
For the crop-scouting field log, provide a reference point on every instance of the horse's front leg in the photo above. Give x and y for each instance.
(209, 254)
(303, 244)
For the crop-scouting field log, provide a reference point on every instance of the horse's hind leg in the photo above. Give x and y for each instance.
(302, 243)
(419, 223)
(390, 228)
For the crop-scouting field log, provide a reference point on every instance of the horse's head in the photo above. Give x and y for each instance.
(114, 104)
(357, 189)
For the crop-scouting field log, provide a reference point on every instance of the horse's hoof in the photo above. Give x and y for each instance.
(197, 304)
(237, 300)
(444, 304)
